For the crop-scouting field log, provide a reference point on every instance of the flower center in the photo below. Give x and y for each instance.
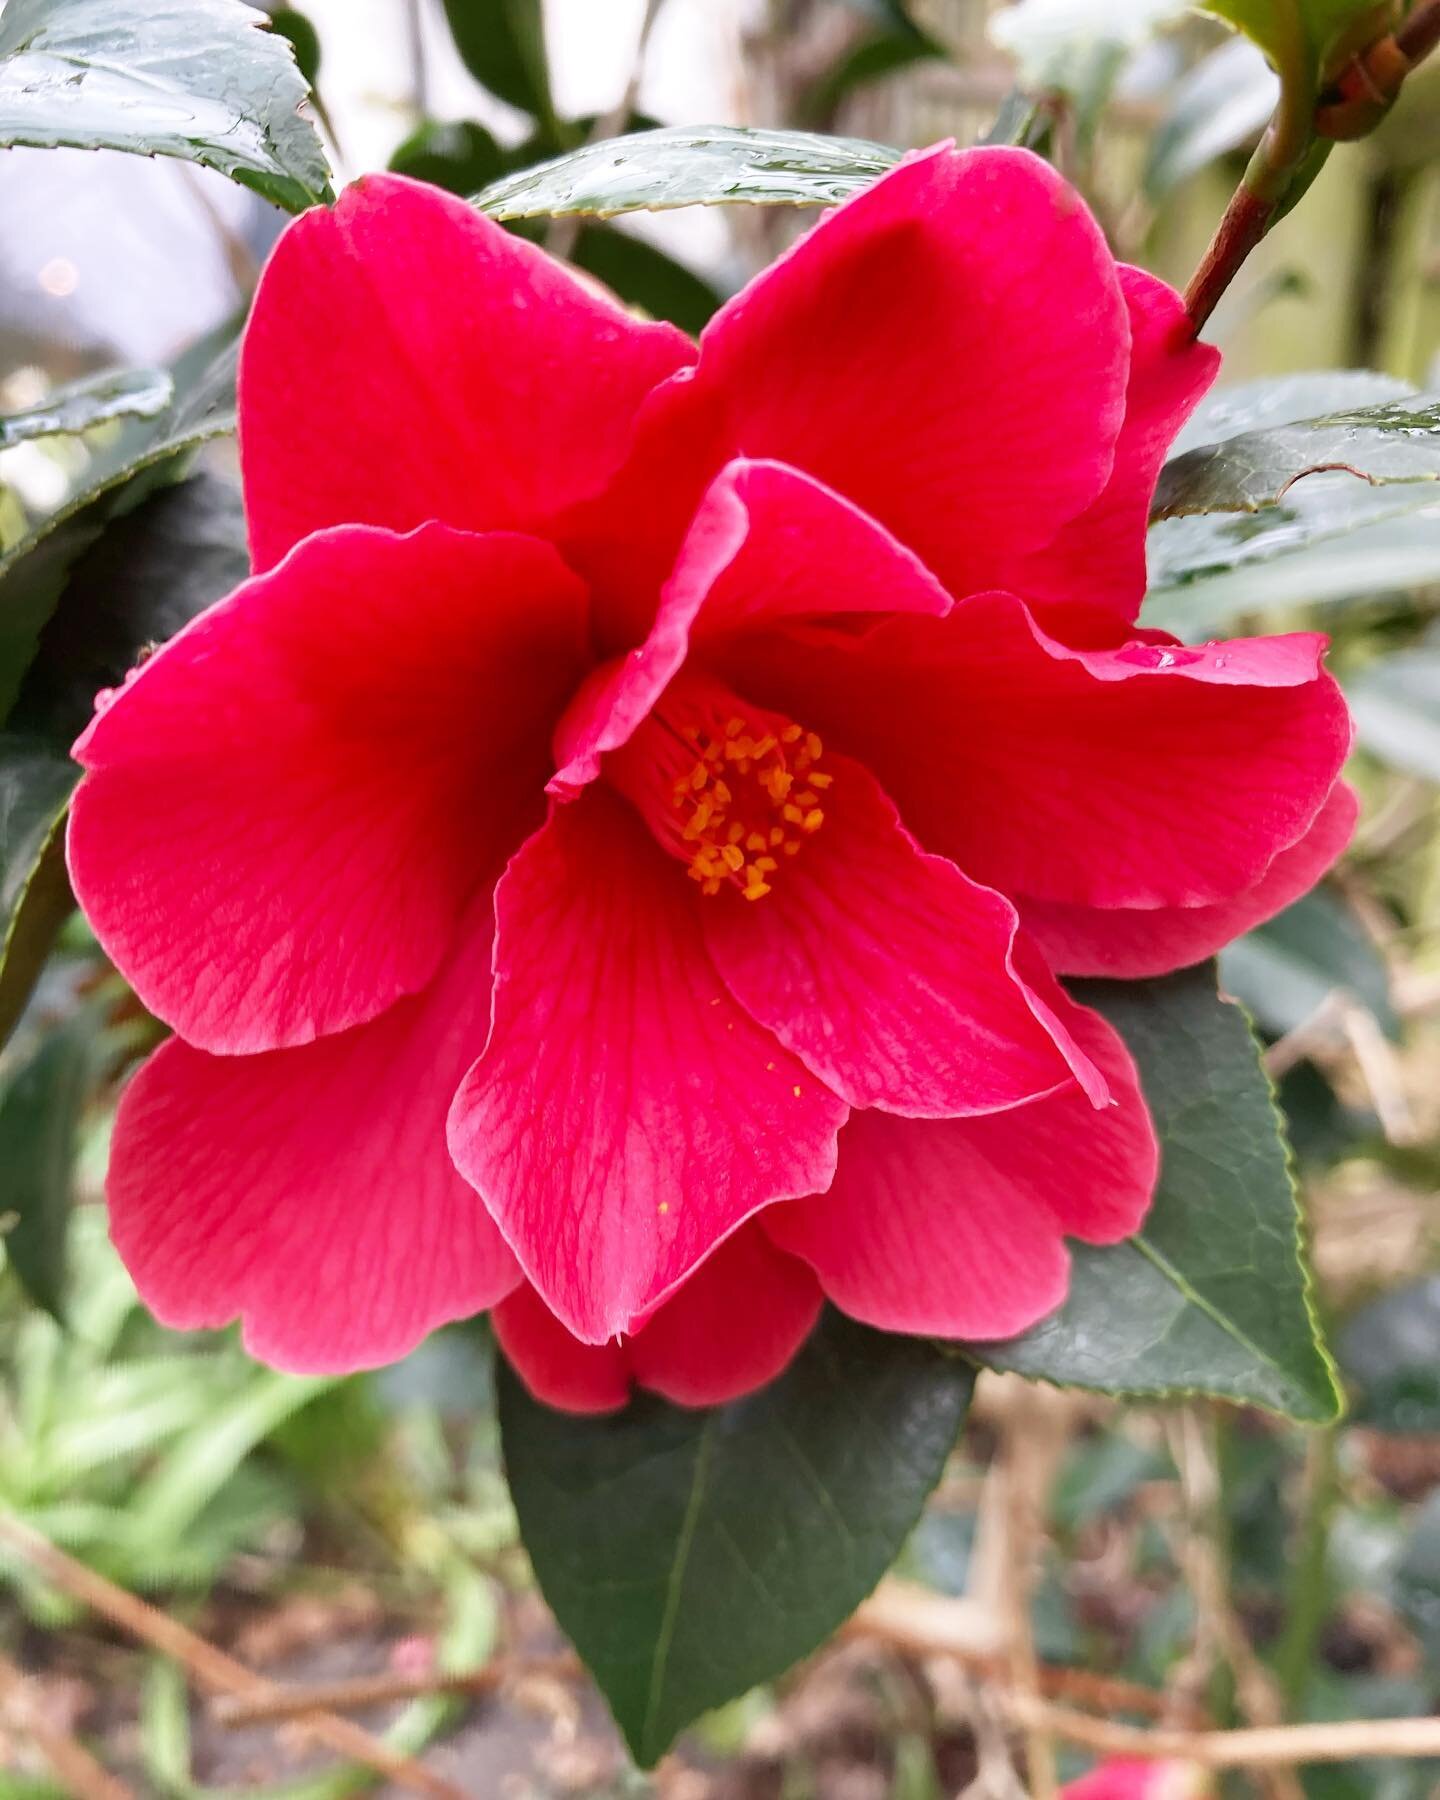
(729, 790)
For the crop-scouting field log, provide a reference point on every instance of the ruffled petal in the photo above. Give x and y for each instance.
(287, 809)
(309, 1192)
(1099, 557)
(627, 1113)
(888, 971)
(408, 359)
(1085, 940)
(949, 350)
(766, 545)
(954, 1227)
(1146, 775)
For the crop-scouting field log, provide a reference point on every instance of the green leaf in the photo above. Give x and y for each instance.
(1399, 441)
(459, 157)
(147, 453)
(710, 165)
(1274, 400)
(1390, 1352)
(150, 572)
(195, 79)
(95, 400)
(1209, 573)
(502, 44)
(1222, 103)
(1396, 705)
(302, 38)
(1212, 1295)
(645, 276)
(36, 780)
(1320, 33)
(692, 1554)
(41, 1101)
(1283, 970)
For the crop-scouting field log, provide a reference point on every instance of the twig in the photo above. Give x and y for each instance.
(919, 1622)
(70, 1762)
(294, 1700)
(209, 1666)
(1255, 1747)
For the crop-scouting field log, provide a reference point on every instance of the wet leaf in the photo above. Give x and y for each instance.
(1395, 442)
(196, 79)
(95, 400)
(691, 1554)
(713, 165)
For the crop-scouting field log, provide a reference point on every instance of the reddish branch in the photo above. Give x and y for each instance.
(1353, 105)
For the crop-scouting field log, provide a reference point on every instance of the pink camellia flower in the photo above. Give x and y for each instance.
(613, 859)
(1131, 1778)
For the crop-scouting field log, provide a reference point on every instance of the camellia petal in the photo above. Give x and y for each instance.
(893, 355)
(1127, 945)
(729, 1328)
(954, 1227)
(889, 971)
(1099, 557)
(408, 359)
(1147, 775)
(309, 1192)
(949, 350)
(767, 544)
(627, 1113)
(287, 809)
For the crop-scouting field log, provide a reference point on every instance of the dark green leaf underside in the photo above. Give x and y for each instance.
(196, 79)
(146, 453)
(692, 166)
(692, 1554)
(1212, 1296)
(36, 780)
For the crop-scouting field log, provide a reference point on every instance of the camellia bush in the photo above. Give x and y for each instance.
(686, 844)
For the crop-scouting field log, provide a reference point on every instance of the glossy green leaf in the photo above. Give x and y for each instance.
(1396, 704)
(178, 550)
(1322, 548)
(36, 780)
(1395, 442)
(1273, 400)
(502, 44)
(650, 171)
(691, 1554)
(196, 79)
(1286, 968)
(145, 454)
(94, 400)
(1212, 1296)
(1222, 103)
(42, 1097)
